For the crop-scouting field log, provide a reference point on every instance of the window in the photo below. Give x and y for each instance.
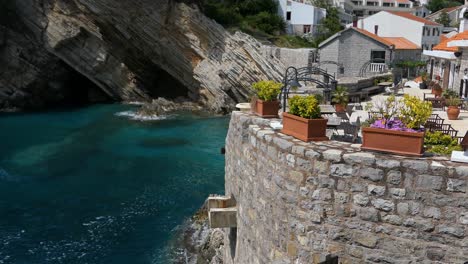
(288, 15)
(378, 56)
(387, 4)
(306, 29)
(372, 3)
(403, 5)
(433, 31)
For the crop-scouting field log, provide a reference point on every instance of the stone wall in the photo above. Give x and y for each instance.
(289, 57)
(299, 202)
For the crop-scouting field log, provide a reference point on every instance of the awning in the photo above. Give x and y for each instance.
(440, 54)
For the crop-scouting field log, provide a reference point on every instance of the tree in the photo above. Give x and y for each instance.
(443, 19)
(436, 5)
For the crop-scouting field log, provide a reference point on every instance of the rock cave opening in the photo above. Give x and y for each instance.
(160, 83)
(80, 90)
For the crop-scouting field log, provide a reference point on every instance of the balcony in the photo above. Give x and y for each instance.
(378, 67)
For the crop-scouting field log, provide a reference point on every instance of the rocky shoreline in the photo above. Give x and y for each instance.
(196, 243)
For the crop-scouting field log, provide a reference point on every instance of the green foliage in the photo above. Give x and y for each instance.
(437, 142)
(293, 42)
(443, 19)
(449, 93)
(452, 101)
(410, 64)
(415, 112)
(247, 15)
(330, 24)
(340, 95)
(266, 22)
(305, 107)
(267, 90)
(436, 5)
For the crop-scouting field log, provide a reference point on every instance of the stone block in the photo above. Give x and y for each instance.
(388, 163)
(429, 182)
(453, 230)
(463, 218)
(366, 239)
(392, 219)
(283, 144)
(322, 194)
(360, 199)
(394, 177)
(456, 185)
(462, 171)
(290, 160)
(371, 174)
(333, 155)
(312, 154)
(303, 164)
(341, 170)
(298, 150)
(375, 190)
(419, 223)
(384, 205)
(341, 197)
(320, 167)
(368, 214)
(402, 208)
(431, 212)
(419, 166)
(360, 158)
(398, 193)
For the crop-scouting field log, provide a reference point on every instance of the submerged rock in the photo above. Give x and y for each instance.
(125, 51)
(161, 106)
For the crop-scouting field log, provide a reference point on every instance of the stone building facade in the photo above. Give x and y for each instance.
(301, 202)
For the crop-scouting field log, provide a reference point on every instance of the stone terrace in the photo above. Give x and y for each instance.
(299, 202)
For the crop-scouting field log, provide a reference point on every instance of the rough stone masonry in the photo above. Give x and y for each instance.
(299, 202)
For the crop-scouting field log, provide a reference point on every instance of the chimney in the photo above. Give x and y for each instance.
(355, 21)
(376, 29)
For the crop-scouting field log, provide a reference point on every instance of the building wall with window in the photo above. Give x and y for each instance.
(301, 18)
(352, 50)
(391, 25)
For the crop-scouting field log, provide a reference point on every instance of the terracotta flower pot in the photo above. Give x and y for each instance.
(453, 112)
(340, 108)
(397, 142)
(267, 109)
(305, 129)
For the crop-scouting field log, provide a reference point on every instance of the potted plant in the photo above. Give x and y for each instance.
(437, 90)
(453, 110)
(340, 98)
(266, 103)
(398, 126)
(304, 120)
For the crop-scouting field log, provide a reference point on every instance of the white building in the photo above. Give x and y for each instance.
(420, 31)
(363, 8)
(301, 18)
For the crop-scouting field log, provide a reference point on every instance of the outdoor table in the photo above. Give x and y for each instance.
(385, 84)
(327, 109)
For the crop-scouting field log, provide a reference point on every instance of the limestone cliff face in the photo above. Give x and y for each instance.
(128, 49)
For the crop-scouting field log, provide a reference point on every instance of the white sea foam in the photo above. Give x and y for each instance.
(135, 103)
(135, 116)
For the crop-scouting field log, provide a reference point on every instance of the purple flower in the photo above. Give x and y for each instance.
(393, 124)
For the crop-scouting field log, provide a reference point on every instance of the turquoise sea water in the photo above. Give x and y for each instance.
(88, 186)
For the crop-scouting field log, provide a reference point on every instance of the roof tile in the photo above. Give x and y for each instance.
(443, 44)
(413, 17)
(401, 43)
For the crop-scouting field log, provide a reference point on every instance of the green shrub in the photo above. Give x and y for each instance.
(415, 112)
(305, 107)
(267, 90)
(266, 22)
(449, 93)
(341, 95)
(439, 143)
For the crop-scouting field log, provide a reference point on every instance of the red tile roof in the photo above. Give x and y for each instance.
(401, 43)
(373, 36)
(447, 10)
(443, 44)
(413, 17)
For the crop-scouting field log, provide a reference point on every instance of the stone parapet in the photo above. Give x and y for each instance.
(299, 202)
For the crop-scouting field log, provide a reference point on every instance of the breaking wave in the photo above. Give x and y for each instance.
(135, 116)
